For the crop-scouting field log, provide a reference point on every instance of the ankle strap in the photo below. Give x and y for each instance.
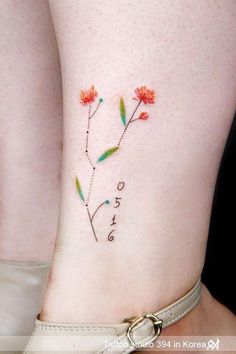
(123, 338)
(143, 330)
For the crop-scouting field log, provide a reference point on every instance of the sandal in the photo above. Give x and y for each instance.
(133, 333)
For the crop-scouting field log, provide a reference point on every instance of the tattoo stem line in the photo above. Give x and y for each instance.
(134, 120)
(93, 170)
(87, 138)
(88, 154)
(127, 125)
(106, 202)
(93, 167)
(91, 116)
(91, 223)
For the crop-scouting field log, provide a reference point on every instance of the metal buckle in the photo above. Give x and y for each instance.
(135, 321)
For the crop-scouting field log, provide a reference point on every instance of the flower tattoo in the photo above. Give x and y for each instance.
(88, 98)
(143, 116)
(145, 95)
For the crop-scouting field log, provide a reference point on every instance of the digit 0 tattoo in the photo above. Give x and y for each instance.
(121, 186)
(87, 98)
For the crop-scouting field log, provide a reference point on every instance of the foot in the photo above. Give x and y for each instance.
(208, 318)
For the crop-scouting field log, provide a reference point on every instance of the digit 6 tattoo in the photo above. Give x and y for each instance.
(110, 236)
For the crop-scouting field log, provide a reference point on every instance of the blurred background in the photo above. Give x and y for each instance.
(219, 273)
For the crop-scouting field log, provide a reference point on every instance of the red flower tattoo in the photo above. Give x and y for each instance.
(145, 95)
(143, 116)
(88, 96)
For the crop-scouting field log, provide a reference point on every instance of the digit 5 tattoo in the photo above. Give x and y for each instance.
(87, 98)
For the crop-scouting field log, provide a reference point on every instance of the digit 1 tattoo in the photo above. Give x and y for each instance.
(143, 95)
(113, 220)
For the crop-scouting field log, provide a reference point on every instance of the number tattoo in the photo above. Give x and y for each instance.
(117, 204)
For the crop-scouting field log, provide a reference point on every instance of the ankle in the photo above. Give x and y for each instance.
(192, 322)
(205, 319)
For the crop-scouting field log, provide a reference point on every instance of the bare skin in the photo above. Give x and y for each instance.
(187, 53)
(30, 131)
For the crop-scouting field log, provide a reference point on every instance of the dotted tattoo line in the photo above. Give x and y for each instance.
(90, 186)
(122, 136)
(89, 159)
(127, 125)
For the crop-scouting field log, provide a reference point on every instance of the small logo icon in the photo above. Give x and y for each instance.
(213, 345)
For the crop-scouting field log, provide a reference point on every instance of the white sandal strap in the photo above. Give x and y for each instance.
(145, 329)
(121, 338)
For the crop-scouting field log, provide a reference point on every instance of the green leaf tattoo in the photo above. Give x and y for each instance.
(107, 153)
(78, 188)
(122, 111)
